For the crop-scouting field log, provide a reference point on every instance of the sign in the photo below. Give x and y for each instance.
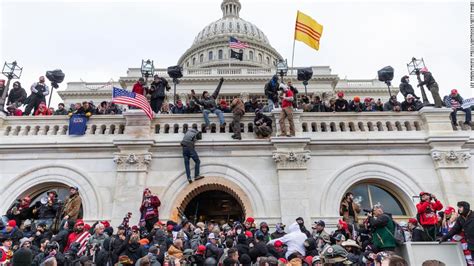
(467, 103)
(77, 124)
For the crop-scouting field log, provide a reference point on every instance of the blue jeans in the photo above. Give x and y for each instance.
(468, 115)
(219, 114)
(271, 105)
(190, 153)
(47, 221)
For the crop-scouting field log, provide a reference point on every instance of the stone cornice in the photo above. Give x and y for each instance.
(451, 158)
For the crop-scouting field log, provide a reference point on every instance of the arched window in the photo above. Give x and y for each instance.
(201, 58)
(210, 55)
(220, 55)
(187, 64)
(251, 55)
(268, 60)
(368, 194)
(260, 58)
(194, 61)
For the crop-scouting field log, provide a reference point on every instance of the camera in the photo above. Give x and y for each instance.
(367, 211)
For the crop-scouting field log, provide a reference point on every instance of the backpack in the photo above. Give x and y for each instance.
(398, 234)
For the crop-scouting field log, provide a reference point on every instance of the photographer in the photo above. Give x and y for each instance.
(149, 209)
(427, 208)
(189, 152)
(382, 228)
(157, 92)
(39, 91)
(20, 211)
(271, 91)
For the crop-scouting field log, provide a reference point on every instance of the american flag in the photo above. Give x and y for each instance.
(131, 98)
(236, 44)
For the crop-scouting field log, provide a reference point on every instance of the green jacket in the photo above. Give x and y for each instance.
(383, 234)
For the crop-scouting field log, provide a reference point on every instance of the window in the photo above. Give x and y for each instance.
(187, 64)
(369, 194)
(260, 58)
(251, 55)
(210, 55)
(268, 60)
(201, 58)
(194, 61)
(220, 54)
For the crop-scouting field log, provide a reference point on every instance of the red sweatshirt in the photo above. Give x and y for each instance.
(286, 103)
(427, 212)
(138, 88)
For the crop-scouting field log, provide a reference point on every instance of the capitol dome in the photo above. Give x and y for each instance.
(211, 46)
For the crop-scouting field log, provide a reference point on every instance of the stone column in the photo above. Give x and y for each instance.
(291, 157)
(133, 160)
(451, 160)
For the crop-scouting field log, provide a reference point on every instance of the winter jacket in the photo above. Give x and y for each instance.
(356, 106)
(415, 105)
(213, 251)
(237, 106)
(388, 106)
(209, 103)
(258, 250)
(418, 234)
(272, 251)
(406, 88)
(428, 80)
(152, 258)
(72, 206)
(195, 241)
(47, 211)
(383, 231)
(138, 88)
(134, 251)
(60, 112)
(310, 247)
(271, 89)
(175, 252)
(427, 212)
(449, 98)
(342, 105)
(15, 234)
(178, 110)
(116, 245)
(16, 95)
(294, 240)
(157, 89)
(242, 245)
(252, 106)
(96, 239)
(260, 119)
(150, 210)
(466, 225)
(190, 138)
(344, 210)
(61, 238)
(318, 107)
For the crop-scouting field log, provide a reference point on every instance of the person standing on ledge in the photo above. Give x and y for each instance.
(189, 152)
(286, 111)
(432, 86)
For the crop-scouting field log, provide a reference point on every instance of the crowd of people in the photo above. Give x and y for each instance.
(282, 96)
(51, 232)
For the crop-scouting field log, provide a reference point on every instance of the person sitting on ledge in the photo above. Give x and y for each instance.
(454, 101)
(411, 104)
(263, 124)
(208, 102)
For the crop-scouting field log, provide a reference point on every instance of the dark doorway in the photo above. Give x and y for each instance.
(216, 205)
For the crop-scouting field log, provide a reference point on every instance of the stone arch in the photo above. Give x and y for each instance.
(220, 176)
(398, 181)
(43, 177)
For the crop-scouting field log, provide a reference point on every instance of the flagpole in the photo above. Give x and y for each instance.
(293, 56)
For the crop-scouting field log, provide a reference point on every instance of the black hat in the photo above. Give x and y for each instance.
(22, 257)
(320, 222)
(465, 205)
(73, 187)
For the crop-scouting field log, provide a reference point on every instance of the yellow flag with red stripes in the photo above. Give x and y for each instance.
(307, 30)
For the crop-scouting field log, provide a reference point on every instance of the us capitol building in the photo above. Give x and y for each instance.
(382, 157)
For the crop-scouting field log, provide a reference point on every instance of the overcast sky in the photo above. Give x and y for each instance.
(98, 40)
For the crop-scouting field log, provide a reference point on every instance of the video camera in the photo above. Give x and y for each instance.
(367, 211)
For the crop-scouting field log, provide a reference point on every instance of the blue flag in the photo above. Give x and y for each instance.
(77, 124)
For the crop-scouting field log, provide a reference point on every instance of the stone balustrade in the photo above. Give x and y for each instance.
(167, 127)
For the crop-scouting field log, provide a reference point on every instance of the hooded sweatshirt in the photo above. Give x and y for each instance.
(294, 240)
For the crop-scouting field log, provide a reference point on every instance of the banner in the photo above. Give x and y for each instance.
(77, 124)
(467, 103)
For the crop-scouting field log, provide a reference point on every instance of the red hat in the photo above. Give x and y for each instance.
(424, 193)
(344, 224)
(2, 82)
(449, 210)
(283, 260)
(79, 222)
(169, 227)
(309, 260)
(367, 99)
(87, 227)
(278, 244)
(454, 91)
(357, 99)
(412, 221)
(340, 94)
(201, 249)
(248, 234)
(144, 242)
(11, 223)
(424, 70)
(135, 228)
(223, 101)
(105, 223)
(250, 220)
